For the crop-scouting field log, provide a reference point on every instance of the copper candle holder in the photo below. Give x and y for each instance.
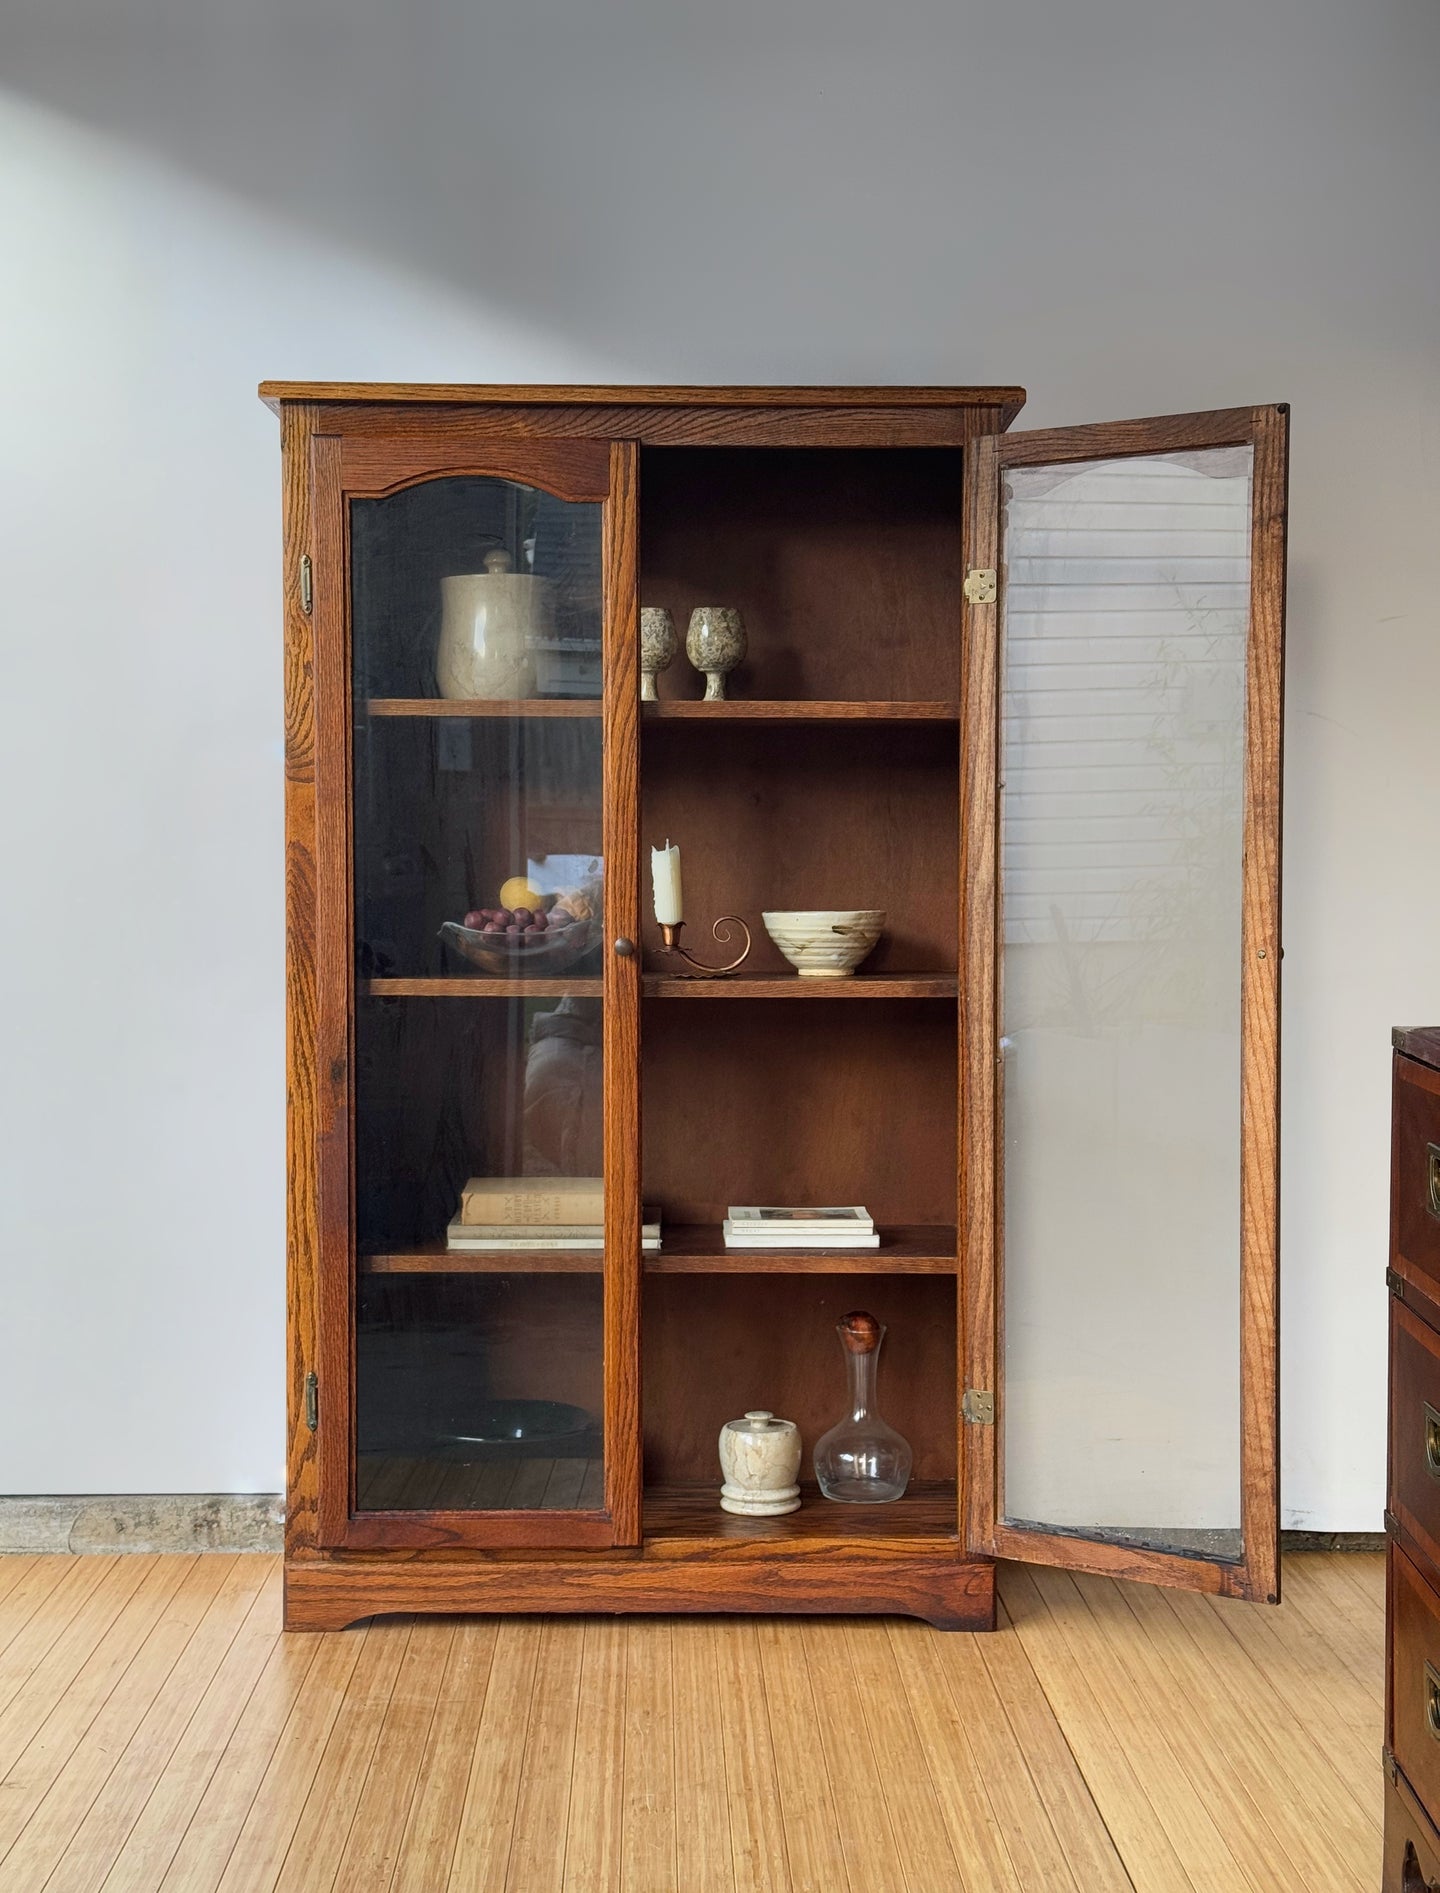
(670, 943)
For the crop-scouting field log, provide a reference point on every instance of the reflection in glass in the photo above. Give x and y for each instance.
(477, 857)
(1126, 611)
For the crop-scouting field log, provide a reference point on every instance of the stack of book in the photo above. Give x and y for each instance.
(749, 1227)
(536, 1214)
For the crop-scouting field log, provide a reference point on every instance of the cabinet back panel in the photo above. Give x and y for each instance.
(717, 1346)
(786, 817)
(845, 562)
(778, 1101)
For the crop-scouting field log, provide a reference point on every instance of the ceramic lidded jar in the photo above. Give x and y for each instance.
(488, 621)
(760, 1458)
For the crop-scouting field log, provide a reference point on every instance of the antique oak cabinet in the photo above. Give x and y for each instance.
(1021, 691)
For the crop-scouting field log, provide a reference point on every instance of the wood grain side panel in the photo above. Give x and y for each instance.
(1260, 1015)
(302, 1188)
(979, 1307)
(301, 1051)
(1414, 1638)
(1414, 1471)
(334, 978)
(1412, 1846)
(950, 1593)
(1414, 1132)
(371, 465)
(621, 1032)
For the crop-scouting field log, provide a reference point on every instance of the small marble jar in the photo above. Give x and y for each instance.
(715, 643)
(760, 1458)
(659, 642)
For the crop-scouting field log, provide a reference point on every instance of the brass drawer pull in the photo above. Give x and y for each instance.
(1432, 1441)
(1432, 1700)
(1412, 1877)
(1432, 1180)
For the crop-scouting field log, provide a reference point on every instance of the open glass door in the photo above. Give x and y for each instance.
(476, 680)
(1123, 666)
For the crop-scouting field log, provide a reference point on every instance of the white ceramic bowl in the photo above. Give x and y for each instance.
(829, 943)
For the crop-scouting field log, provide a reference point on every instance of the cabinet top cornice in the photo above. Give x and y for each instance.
(452, 394)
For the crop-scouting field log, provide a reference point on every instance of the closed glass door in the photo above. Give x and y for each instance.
(486, 1242)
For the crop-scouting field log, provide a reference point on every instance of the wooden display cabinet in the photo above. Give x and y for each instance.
(1020, 691)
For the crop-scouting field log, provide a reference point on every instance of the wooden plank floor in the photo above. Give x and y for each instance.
(156, 1731)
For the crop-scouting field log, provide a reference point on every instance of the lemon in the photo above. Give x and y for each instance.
(517, 892)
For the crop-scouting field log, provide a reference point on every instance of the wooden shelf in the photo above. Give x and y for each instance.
(479, 987)
(799, 710)
(689, 1249)
(751, 710)
(433, 1258)
(484, 706)
(792, 986)
(926, 1518)
(905, 1249)
(674, 986)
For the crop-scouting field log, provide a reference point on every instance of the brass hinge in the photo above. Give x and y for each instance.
(980, 585)
(978, 1408)
(312, 1402)
(307, 584)
(1396, 1284)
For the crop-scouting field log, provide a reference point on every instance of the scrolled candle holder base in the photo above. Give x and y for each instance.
(670, 943)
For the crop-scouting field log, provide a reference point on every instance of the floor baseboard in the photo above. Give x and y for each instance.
(149, 1521)
(254, 1521)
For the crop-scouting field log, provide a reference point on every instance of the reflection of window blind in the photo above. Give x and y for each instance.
(1126, 603)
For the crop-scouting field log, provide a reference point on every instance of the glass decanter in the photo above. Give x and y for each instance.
(862, 1461)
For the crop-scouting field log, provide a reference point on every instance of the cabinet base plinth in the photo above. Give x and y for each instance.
(331, 1593)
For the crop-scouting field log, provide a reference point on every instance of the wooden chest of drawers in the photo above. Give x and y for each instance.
(1412, 1507)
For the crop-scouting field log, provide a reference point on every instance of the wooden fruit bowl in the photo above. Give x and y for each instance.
(539, 955)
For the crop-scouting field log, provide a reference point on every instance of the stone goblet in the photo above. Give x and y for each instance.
(715, 644)
(659, 641)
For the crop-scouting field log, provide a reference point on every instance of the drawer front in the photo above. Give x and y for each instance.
(1415, 1677)
(1412, 1848)
(1415, 1427)
(1415, 1167)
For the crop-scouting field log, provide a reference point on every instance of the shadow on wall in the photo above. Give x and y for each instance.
(829, 191)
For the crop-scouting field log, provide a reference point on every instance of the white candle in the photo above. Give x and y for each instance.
(665, 880)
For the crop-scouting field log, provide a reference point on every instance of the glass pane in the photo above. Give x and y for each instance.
(477, 847)
(1126, 610)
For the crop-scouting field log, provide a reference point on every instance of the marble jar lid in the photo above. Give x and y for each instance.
(757, 1420)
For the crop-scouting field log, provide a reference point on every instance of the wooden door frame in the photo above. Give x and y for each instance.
(320, 924)
(981, 1210)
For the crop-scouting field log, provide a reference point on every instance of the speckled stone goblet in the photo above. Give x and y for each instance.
(659, 641)
(715, 643)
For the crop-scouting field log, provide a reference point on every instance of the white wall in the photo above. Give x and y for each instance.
(1130, 207)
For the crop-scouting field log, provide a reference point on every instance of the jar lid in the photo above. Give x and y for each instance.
(757, 1420)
